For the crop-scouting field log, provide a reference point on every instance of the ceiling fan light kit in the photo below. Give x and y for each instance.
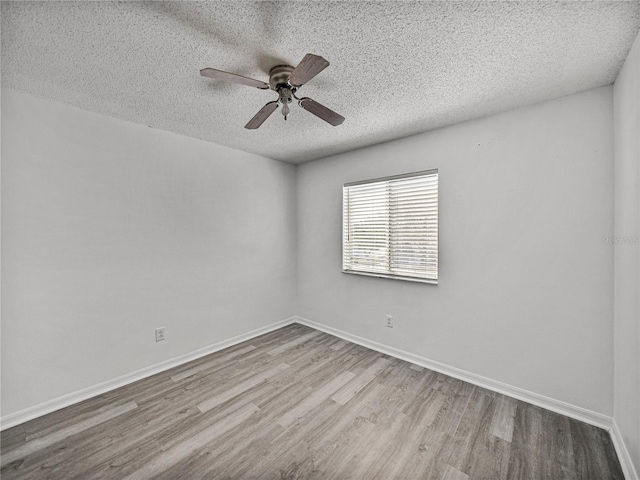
(285, 80)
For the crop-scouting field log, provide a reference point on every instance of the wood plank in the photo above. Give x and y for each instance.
(338, 345)
(28, 448)
(210, 403)
(347, 392)
(474, 450)
(340, 425)
(609, 451)
(315, 399)
(503, 418)
(205, 366)
(368, 462)
(428, 441)
(451, 473)
(557, 447)
(589, 453)
(526, 460)
(186, 448)
(293, 343)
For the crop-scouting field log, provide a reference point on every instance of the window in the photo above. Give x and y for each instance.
(390, 227)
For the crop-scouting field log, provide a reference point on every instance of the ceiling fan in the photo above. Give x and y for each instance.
(285, 80)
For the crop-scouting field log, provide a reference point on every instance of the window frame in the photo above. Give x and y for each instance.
(345, 232)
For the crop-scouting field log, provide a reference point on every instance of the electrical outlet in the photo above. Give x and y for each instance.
(389, 321)
(159, 334)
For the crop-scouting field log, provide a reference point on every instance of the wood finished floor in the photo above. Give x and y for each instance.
(299, 403)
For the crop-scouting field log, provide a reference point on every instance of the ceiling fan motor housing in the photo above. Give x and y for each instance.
(279, 77)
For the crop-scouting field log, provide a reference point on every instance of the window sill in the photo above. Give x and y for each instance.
(392, 277)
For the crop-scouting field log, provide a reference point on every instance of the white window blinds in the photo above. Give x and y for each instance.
(390, 227)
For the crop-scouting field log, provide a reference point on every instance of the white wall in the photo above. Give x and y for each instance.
(526, 283)
(626, 98)
(110, 229)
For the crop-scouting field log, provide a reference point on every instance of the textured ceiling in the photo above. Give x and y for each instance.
(397, 68)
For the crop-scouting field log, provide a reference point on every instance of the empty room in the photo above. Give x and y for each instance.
(320, 240)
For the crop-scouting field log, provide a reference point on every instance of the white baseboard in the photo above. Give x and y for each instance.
(558, 406)
(629, 470)
(49, 406)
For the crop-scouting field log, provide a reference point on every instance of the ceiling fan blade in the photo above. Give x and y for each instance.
(233, 78)
(321, 111)
(310, 66)
(262, 115)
